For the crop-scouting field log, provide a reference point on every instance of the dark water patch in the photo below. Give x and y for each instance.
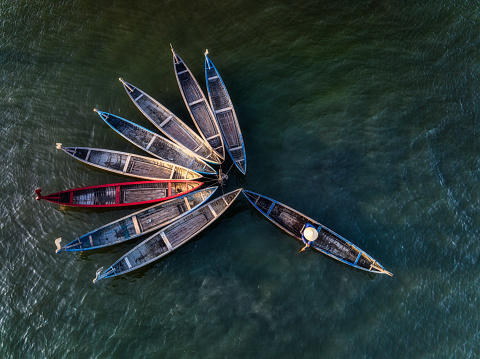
(361, 115)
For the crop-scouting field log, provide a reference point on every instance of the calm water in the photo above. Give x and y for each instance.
(361, 114)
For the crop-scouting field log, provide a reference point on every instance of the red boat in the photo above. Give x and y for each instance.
(122, 194)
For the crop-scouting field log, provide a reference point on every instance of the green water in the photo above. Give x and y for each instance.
(360, 114)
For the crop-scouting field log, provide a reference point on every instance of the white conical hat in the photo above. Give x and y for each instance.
(310, 234)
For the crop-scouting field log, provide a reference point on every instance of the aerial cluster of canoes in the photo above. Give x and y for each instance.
(175, 181)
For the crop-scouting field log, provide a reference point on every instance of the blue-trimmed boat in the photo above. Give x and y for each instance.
(138, 223)
(222, 107)
(327, 241)
(155, 144)
(171, 237)
(166, 121)
(198, 106)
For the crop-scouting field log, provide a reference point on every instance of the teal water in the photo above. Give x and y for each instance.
(360, 114)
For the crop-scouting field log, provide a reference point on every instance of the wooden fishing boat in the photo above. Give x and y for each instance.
(170, 124)
(138, 223)
(121, 194)
(129, 164)
(156, 145)
(222, 107)
(327, 242)
(197, 106)
(171, 237)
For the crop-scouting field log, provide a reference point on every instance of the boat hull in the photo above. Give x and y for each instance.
(222, 107)
(170, 125)
(198, 106)
(328, 242)
(121, 194)
(156, 145)
(129, 164)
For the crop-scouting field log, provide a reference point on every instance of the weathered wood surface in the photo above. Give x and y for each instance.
(129, 164)
(327, 242)
(156, 145)
(139, 223)
(198, 106)
(170, 124)
(171, 237)
(121, 194)
(222, 107)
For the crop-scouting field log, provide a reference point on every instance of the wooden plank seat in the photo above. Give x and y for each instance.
(152, 219)
(204, 120)
(131, 195)
(190, 225)
(142, 168)
(95, 196)
(190, 90)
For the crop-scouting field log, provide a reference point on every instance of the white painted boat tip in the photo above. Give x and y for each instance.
(57, 243)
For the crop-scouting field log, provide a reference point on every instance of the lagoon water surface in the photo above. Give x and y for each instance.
(360, 114)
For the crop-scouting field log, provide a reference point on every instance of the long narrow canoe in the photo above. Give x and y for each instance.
(121, 194)
(138, 223)
(170, 124)
(327, 242)
(154, 144)
(171, 237)
(129, 164)
(198, 106)
(222, 107)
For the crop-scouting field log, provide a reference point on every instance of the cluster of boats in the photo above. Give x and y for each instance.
(176, 180)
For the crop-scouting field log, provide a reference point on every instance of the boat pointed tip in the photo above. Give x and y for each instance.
(125, 84)
(58, 146)
(379, 268)
(57, 243)
(97, 275)
(39, 196)
(171, 48)
(101, 113)
(206, 52)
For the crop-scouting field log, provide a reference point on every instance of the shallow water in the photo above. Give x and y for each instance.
(360, 114)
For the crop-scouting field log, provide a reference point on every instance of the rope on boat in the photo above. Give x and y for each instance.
(57, 243)
(206, 52)
(58, 145)
(222, 177)
(229, 169)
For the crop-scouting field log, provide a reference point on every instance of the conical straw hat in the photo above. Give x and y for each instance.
(310, 234)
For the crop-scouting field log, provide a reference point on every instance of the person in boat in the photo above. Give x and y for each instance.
(309, 234)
